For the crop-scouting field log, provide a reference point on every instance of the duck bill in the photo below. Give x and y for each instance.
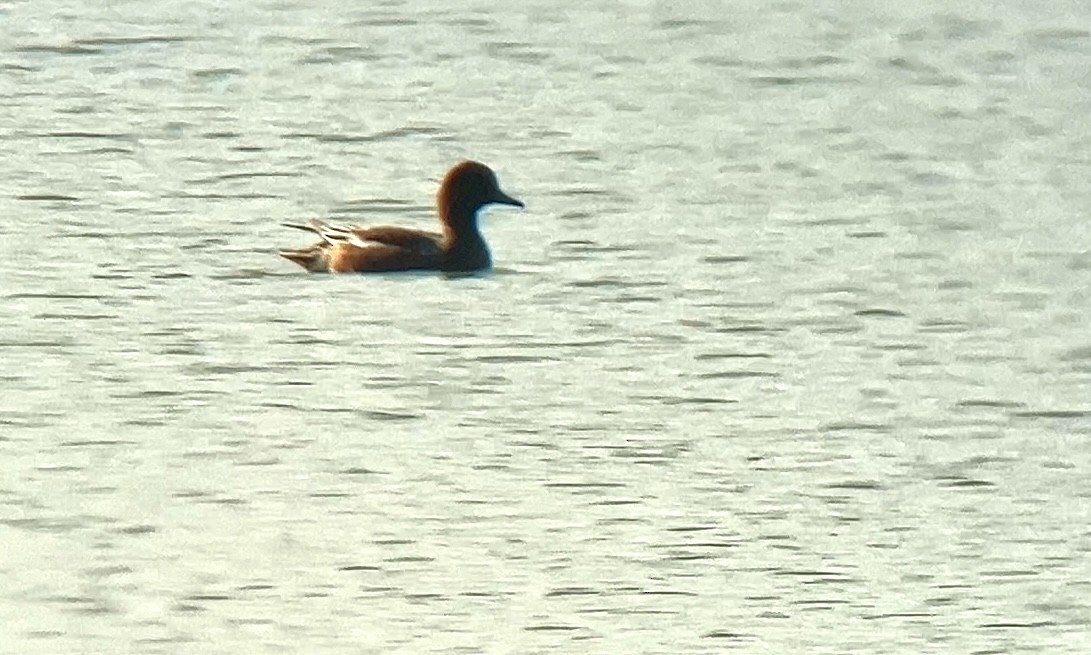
(502, 198)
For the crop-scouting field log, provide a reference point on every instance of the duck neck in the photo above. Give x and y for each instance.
(465, 247)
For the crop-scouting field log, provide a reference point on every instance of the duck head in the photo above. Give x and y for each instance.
(468, 187)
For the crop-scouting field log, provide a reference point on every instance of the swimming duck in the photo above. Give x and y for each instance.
(466, 188)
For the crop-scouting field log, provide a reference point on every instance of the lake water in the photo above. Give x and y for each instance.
(788, 353)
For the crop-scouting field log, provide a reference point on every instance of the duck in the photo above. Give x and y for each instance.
(458, 248)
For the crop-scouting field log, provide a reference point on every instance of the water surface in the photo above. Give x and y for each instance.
(788, 353)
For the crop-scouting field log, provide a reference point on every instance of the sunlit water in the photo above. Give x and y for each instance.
(789, 352)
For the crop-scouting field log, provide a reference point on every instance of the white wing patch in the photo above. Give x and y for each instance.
(354, 239)
(334, 234)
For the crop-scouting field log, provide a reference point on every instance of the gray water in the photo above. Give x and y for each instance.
(789, 351)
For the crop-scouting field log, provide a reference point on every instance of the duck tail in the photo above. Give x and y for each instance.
(312, 258)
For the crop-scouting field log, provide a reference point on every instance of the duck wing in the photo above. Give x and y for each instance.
(349, 248)
(419, 241)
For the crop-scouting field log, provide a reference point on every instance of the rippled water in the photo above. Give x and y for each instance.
(788, 353)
